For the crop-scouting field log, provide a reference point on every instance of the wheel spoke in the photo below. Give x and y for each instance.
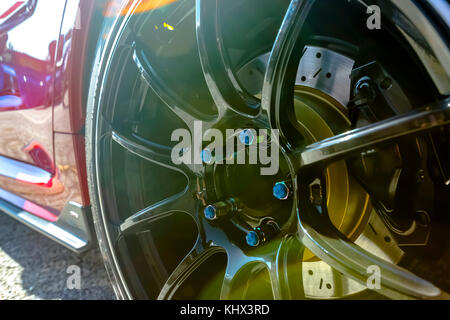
(282, 70)
(286, 271)
(155, 153)
(225, 291)
(318, 234)
(193, 260)
(241, 270)
(220, 77)
(360, 140)
(187, 113)
(182, 202)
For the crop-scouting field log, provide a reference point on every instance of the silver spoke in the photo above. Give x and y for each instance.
(240, 272)
(363, 140)
(182, 202)
(187, 113)
(286, 271)
(193, 260)
(154, 153)
(276, 82)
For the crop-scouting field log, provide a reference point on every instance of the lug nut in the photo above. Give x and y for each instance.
(266, 231)
(282, 190)
(221, 209)
(252, 239)
(247, 137)
(207, 156)
(210, 212)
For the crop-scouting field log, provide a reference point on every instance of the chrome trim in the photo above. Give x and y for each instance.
(49, 229)
(28, 206)
(52, 230)
(21, 14)
(22, 171)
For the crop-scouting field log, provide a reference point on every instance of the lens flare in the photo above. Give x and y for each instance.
(116, 7)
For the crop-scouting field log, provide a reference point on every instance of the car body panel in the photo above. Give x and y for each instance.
(43, 180)
(69, 107)
(27, 65)
(41, 103)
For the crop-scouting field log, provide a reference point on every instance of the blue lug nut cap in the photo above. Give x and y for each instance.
(210, 213)
(252, 239)
(281, 191)
(246, 137)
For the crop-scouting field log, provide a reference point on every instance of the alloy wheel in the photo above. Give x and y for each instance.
(315, 228)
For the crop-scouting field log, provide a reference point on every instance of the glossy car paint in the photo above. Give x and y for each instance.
(41, 106)
(69, 109)
(27, 56)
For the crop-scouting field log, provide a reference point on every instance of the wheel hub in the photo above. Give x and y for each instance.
(319, 116)
(246, 184)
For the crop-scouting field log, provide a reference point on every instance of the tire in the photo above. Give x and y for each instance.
(182, 253)
(101, 233)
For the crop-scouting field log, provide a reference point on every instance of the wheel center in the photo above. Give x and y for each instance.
(245, 181)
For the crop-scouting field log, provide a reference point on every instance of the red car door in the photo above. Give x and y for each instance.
(28, 49)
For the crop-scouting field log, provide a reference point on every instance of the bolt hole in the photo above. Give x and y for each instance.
(318, 55)
(303, 78)
(310, 272)
(328, 286)
(387, 239)
(328, 75)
